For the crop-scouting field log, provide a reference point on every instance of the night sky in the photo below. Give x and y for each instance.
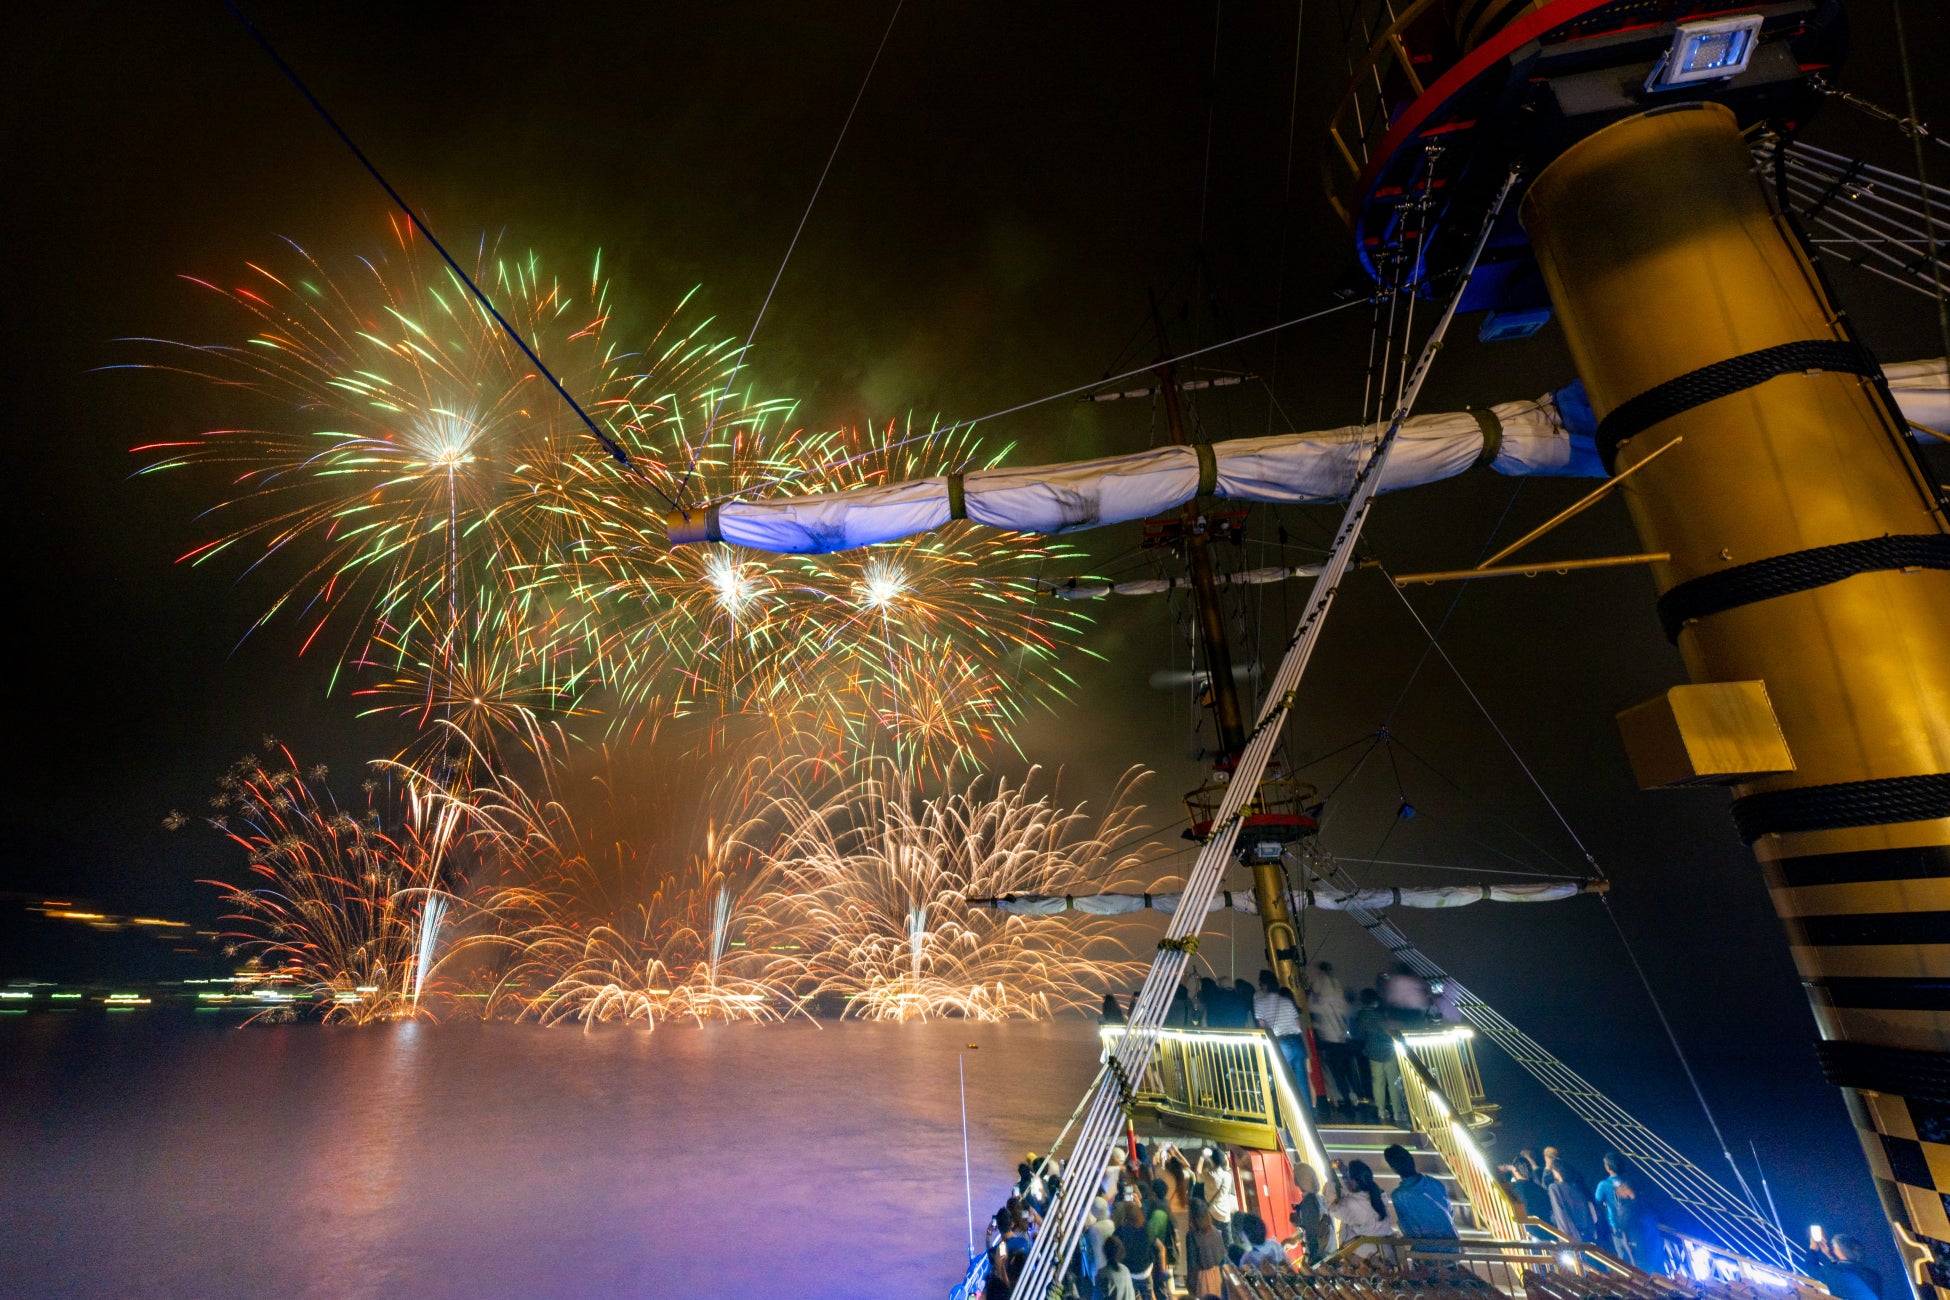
(1018, 181)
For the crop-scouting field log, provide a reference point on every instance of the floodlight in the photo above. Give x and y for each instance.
(1713, 50)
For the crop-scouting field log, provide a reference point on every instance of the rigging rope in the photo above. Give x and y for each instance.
(943, 431)
(711, 420)
(1922, 173)
(1645, 981)
(1049, 1256)
(609, 444)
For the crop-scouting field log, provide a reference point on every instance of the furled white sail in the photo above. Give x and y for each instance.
(1551, 435)
(1373, 900)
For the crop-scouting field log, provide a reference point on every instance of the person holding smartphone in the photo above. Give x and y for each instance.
(1836, 1262)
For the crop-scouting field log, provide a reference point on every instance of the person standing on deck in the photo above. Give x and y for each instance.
(1142, 1256)
(1205, 1254)
(1634, 1227)
(1421, 1202)
(1384, 1071)
(1243, 995)
(1114, 1281)
(1572, 1212)
(1837, 1264)
(1096, 1232)
(1328, 1004)
(1178, 1200)
(1277, 1015)
(1532, 1197)
(1215, 1181)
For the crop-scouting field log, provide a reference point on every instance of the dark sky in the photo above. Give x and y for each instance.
(1018, 180)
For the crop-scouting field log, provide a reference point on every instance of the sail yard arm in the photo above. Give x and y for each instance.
(1119, 903)
(1051, 1252)
(1550, 436)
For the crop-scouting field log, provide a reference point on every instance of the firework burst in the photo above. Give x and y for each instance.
(595, 926)
(413, 483)
(350, 904)
(879, 878)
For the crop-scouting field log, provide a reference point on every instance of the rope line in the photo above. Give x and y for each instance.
(609, 444)
(1922, 173)
(1645, 982)
(737, 364)
(957, 426)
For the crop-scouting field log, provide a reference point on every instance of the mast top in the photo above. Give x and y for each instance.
(1447, 97)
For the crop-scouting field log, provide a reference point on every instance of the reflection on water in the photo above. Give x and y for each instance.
(154, 1156)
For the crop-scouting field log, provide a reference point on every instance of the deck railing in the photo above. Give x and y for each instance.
(1447, 1127)
(1520, 1268)
(1449, 1056)
(1702, 1261)
(1225, 1077)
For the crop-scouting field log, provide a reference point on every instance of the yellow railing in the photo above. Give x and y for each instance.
(1521, 1268)
(1446, 1125)
(1229, 1085)
(1449, 1056)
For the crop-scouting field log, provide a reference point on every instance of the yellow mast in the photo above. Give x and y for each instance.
(1793, 514)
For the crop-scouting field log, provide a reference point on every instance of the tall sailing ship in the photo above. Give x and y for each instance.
(1632, 168)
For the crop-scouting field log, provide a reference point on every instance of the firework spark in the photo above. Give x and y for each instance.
(879, 877)
(595, 927)
(348, 904)
(409, 480)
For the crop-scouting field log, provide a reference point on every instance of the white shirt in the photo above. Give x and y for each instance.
(1219, 1194)
(1094, 1238)
(1267, 1252)
(1277, 1012)
(1355, 1213)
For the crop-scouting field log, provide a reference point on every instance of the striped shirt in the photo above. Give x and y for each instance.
(1277, 1012)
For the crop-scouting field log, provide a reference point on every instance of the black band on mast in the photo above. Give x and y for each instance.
(1783, 575)
(1880, 802)
(1722, 379)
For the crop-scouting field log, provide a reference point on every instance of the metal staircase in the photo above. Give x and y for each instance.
(1366, 1142)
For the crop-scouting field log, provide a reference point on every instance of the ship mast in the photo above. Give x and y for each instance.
(1802, 559)
(1269, 879)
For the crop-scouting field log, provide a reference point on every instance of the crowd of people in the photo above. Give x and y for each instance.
(1354, 1037)
(1165, 1222)
(1612, 1213)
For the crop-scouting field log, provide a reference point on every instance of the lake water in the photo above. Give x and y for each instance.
(152, 1155)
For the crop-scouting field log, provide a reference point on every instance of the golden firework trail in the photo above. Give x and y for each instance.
(878, 876)
(349, 904)
(405, 476)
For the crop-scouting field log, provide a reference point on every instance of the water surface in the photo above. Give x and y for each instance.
(152, 1155)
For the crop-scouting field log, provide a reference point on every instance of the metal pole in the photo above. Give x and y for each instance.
(967, 1176)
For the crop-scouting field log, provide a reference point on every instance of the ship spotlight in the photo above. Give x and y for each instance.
(1713, 50)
